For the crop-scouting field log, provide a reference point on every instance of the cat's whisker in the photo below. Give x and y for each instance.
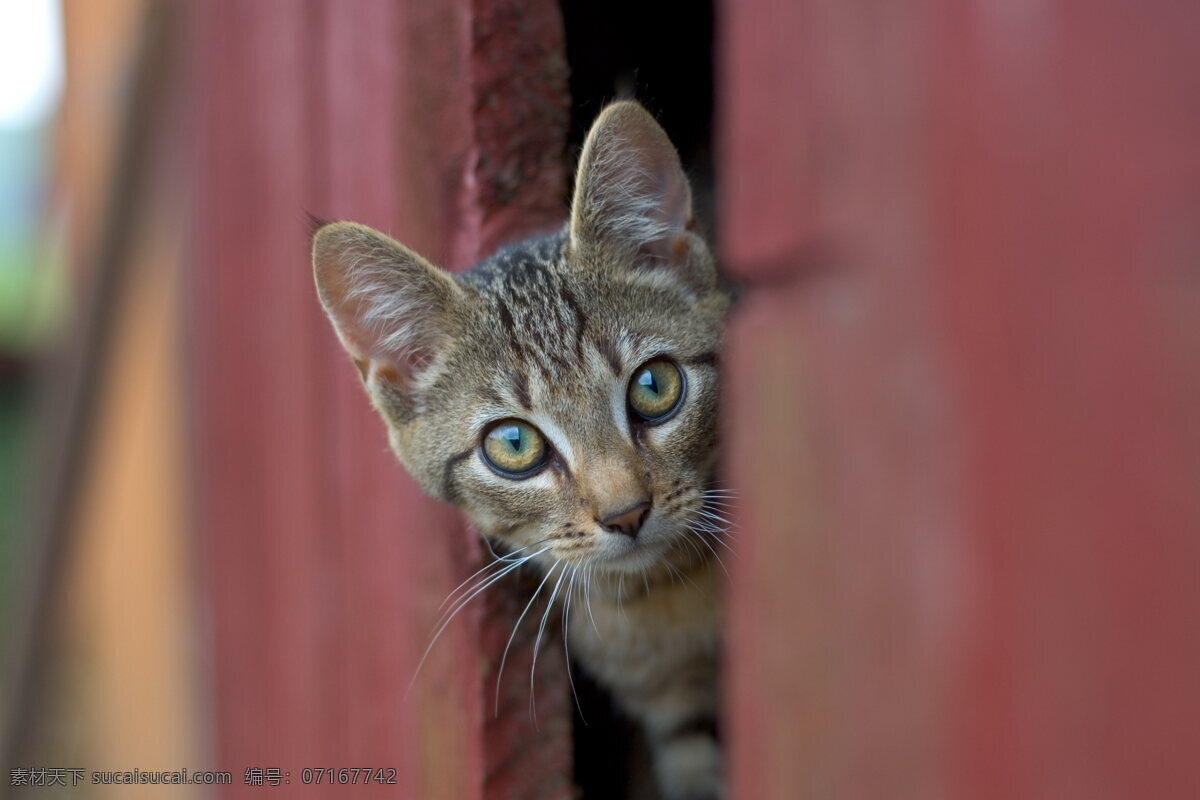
(711, 549)
(507, 558)
(716, 535)
(587, 595)
(566, 644)
(485, 582)
(716, 531)
(513, 635)
(488, 544)
(688, 541)
(713, 515)
(537, 644)
(713, 526)
(720, 528)
(454, 593)
(675, 571)
(458, 606)
(723, 504)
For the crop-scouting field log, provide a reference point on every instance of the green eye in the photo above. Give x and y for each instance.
(656, 390)
(514, 448)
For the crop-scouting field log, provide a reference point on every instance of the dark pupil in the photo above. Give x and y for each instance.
(646, 379)
(513, 437)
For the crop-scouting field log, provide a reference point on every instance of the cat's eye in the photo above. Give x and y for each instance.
(514, 448)
(656, 390)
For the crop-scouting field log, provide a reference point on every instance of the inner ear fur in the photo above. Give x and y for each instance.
(391, 309)
(632, 199)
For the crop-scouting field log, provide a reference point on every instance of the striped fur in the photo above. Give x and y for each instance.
(550, 331)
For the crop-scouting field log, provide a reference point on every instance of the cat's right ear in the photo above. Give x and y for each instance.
(392, 310)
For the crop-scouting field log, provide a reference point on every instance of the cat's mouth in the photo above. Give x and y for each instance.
(623, 553)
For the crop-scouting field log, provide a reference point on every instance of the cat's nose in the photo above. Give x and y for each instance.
(629, 521)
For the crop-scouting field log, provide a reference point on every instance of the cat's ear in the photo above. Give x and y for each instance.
(632, 199)
(392, 310)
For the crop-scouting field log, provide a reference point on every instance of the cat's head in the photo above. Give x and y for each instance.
(563, 392)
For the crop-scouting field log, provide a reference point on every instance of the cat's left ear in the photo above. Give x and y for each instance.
(632, 201)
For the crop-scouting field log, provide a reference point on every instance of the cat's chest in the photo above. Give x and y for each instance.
(672, 622)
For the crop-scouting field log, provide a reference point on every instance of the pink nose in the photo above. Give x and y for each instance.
(629, 521)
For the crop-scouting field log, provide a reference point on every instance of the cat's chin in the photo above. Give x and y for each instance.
(632, 556)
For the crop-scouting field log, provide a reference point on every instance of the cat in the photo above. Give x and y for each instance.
(563, 393)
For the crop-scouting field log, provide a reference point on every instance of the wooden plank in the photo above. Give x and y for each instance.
(963, 392)
(325, 566)
(1069, 248)
(262, 508)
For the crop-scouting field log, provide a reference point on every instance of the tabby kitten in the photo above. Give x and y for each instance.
(563, 393)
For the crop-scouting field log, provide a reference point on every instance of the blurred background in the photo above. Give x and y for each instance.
(33, 49)
(97, 603)
(962, 408)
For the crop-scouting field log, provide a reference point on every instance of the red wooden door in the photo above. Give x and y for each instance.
(964, 394)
